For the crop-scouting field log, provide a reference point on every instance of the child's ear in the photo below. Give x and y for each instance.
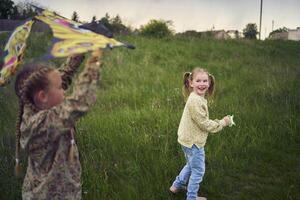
(191, 84)
(41, 97)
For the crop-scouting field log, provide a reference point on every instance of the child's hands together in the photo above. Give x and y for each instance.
(229, 120)
(95, 56)
(97, 53)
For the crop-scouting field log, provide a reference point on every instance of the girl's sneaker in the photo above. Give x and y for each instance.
(175, 190)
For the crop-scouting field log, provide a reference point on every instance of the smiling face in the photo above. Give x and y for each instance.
(200, 83)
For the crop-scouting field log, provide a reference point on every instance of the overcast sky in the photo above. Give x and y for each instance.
(200, 15)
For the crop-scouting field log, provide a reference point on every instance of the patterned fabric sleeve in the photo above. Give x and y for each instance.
(199, 114)
(82, 96)
(69, 68)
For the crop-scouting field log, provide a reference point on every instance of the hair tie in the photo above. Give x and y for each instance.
(72, 142)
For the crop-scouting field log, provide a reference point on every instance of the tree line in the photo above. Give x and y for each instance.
(21, 11)
(154, 28)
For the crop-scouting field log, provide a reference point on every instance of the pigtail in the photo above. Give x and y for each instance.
(19, 85)
(26, 82)
(186, 88)
(18, 136)
(212, 86)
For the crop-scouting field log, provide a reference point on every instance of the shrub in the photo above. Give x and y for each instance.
(157, 28)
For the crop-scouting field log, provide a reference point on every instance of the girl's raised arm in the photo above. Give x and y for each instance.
(83, 94)
(69, 68)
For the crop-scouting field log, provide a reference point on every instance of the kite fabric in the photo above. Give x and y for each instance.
(69, 39)
(14, 51)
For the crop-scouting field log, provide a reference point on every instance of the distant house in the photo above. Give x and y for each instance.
(289, 35)
(220, 34)
(294, 34)
(189, 33)
(279, 36)
(234, 34)
(216, 34)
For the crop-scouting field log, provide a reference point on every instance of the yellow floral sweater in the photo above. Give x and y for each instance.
(195, 123)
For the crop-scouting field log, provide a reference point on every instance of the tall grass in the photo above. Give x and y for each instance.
(128, 140)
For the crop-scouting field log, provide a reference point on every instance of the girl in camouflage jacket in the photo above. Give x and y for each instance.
(45, 127)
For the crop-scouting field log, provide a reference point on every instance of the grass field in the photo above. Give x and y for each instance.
(128, 142)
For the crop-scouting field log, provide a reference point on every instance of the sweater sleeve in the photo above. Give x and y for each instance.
(82, 97)
(199, 114)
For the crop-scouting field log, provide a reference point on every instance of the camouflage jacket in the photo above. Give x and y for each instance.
(46, 137)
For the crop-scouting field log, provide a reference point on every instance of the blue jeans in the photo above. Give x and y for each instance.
(193, 172)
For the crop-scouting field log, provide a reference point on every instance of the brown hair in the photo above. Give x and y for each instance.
(32, 78)
(188, 77)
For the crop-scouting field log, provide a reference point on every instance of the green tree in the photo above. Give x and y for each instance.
(25, 11)
(22, 10)
(157, 28)
(107, 16)
(7, 9)
(114, 24)
(280, 30)
(250, 31)
(118, 26)
(116, 20)
(75, 17)
(106, 21)
(94, 19)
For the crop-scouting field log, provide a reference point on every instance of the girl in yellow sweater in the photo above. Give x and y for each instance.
(193, 130)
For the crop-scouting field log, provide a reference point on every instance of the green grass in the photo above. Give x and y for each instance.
(128, 142)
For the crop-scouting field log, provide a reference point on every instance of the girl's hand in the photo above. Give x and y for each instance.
(227, 120)
(95, 57)
(97, 53)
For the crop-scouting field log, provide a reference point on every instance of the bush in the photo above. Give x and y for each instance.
(157, 28)
(250, 31)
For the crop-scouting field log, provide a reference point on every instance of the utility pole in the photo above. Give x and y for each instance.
(272, 25)
(261, 4)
